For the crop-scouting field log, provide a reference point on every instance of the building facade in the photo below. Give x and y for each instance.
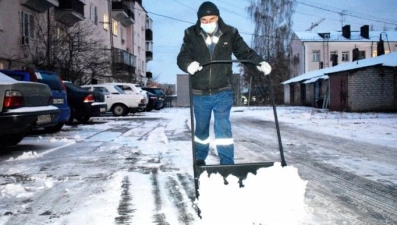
(110, 33)
(313, 51)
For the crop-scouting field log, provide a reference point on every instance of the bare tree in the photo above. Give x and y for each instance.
(76, 52)
(273, 23)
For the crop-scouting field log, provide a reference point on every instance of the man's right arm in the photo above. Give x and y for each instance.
(185, 56)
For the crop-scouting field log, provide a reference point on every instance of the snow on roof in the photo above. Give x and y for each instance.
(314, 79)
(388, 60)
(355, 36)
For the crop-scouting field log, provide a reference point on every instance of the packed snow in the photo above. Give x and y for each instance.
(275, 195)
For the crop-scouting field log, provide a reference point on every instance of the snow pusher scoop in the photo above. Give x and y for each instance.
(240, 170)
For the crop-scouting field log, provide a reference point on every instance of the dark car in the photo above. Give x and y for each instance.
(152, 101)
(23, 106)
(160, 96)
(56, 85)
(83, 103)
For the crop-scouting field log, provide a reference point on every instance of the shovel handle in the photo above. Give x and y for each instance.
(230, 61)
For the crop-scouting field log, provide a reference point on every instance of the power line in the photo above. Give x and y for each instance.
(168, 17)
(347, 12)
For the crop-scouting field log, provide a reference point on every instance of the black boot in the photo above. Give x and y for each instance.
(200, 162)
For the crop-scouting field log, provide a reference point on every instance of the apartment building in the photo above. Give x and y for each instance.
(121, 29)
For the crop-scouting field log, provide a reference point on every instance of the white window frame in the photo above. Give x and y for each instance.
(345, 56)
(106, 21)
(27, 27)
(115, 27)
(316, 56)
(94, 14)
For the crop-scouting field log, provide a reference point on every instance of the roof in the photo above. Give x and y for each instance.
(387, 60)
(336, 36)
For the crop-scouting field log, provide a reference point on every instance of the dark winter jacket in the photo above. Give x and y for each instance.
(213, 77)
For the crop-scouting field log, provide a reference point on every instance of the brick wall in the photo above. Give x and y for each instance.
(372, 89)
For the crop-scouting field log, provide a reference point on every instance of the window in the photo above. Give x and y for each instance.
(115, 27)
(361, 55)
(316, 56)
(122, 35)
(1, 24)
(345, 56)
(27, 27)
(94, 14)
(332, 53)
(334, 58)
(106, 21)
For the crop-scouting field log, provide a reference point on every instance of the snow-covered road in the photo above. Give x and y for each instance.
(137, 169)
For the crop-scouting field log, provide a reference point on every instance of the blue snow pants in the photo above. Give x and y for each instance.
(220, 105)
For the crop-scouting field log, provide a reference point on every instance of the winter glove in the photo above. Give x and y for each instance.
(194, 67)
(265, 68)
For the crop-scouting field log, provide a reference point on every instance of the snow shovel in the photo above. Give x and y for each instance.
(240, 170)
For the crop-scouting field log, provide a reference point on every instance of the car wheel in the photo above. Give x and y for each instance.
(55, 128)
(9, 140)
(71, 118)
(148, 109)
(84, 119)
(120, 110)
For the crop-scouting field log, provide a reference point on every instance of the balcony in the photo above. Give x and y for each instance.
(39, 6)
(149, 75)
(69, 12)
(149, 51)
(148, 31)
(123, 12)
(123, 61)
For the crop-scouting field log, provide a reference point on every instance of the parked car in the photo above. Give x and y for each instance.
(57, 87)
(152, 101)
(160, 94)
(133, 89)
(83, 103)
(24, 106)
(118, 102)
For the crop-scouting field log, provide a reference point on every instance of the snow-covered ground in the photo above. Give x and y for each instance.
(216, 203)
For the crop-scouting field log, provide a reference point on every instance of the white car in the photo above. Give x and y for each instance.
(133, 89)
(118, 102)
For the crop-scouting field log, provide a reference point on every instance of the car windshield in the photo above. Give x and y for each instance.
(51, 79)
(102, 90)
(158, 91)
(74, 87)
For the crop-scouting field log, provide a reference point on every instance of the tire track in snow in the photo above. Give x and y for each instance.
(179, 200)
(160, 218)
(354, 193)
(125, 210)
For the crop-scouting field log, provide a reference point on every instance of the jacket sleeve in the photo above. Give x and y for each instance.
(185, 56)
(242, 51)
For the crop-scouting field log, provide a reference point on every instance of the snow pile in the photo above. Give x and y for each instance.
(274, 196)
(25, 155)
(15, 190)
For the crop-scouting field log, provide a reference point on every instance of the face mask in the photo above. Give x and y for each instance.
(209, 27)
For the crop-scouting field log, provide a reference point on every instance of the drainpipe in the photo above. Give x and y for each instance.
(304, 57)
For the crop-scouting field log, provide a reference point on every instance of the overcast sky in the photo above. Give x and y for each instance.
(172, 17)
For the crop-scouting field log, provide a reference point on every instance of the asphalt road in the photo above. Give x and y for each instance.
(336, 194)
